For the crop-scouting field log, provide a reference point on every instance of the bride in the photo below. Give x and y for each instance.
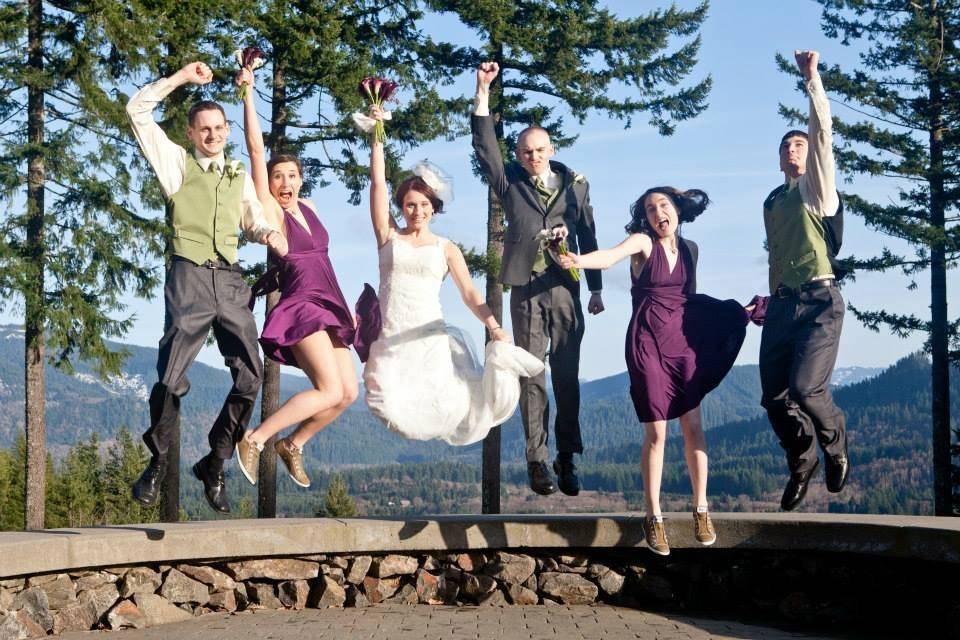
(422, 378)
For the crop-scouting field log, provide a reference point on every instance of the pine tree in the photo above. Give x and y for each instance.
(568, 56)
(126, 458)
(907, 94)
(76, 498)
(71, 245)
(337, 503)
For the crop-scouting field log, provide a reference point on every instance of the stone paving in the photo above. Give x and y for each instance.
(423, 622)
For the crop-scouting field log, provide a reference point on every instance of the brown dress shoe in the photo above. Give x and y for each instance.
(292, 457)
(656, 536)
(703, 529)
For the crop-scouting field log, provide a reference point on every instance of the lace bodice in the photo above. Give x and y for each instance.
(410, 281)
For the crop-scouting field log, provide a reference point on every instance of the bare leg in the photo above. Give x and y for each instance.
(315, 355)
(651, 463)
(348, 380)
(695, 451)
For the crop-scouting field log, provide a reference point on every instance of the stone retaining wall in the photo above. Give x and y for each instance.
(812, 570)
(809, 591)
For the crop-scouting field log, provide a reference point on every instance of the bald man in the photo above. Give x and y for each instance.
(538, 193)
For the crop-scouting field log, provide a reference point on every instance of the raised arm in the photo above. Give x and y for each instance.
(606, 258)
(484, 137)
(818, 185)
(469, 294)
(255, 148)
(379, 193)
(167, 158)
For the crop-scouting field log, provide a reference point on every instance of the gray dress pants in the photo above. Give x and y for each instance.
(798, 350)
(546, 312)
(197, 298)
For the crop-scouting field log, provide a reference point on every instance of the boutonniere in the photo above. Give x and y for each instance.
(579, 178)
(233, 169)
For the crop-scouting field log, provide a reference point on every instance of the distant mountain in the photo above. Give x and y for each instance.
(81, 404)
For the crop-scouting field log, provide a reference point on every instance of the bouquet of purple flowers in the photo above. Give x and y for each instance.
(249, 58)
(377, 91)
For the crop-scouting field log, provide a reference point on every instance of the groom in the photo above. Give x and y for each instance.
(208, 199)
(537, 194)
(801, 332)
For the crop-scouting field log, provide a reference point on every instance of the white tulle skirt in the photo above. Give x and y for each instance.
(427, 383)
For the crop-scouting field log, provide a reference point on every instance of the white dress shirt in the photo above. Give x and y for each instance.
(169, 160)
(818, 184)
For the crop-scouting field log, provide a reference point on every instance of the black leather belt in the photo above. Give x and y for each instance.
(217, 265)
(784, 291)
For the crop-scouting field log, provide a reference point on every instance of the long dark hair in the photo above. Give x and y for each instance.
(689, 204)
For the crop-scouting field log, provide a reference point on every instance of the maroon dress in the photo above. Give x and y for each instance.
(310, 297)
(680, 344)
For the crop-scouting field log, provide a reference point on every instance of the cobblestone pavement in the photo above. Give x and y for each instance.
(403, 622)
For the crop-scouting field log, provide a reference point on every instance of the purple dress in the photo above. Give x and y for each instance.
(680, 344)
(310, 297)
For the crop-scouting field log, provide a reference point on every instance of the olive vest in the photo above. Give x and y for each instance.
(795, 240)
(206, 213)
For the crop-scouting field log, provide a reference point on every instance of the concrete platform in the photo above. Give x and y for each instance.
(57, 550)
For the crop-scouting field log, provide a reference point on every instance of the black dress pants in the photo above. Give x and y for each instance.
(196, 299)
(798, 350)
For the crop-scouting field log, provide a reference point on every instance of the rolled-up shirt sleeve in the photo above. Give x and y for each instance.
(167, 158)
(253, 222)
(818, 185)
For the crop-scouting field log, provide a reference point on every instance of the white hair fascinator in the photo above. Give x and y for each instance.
(436, 179)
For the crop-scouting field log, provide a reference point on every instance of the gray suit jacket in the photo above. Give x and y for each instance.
(525, 214)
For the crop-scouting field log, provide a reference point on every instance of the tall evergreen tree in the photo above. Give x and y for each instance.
(569, 56)
(71, 245)
(77, 496)
(126, 458)
(907, 98)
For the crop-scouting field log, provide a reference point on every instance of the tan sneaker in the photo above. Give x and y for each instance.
(703, 529)
(248, 457)
(656, 536)
(292, 457)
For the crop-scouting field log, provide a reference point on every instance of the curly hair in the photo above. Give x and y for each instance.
(689, 204)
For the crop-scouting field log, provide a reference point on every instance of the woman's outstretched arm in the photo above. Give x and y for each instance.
(606, 258)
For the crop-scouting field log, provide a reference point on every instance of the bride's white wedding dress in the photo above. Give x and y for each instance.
(422, 378)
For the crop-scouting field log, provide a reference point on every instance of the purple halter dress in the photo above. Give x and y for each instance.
(310, 296)
(680, 344)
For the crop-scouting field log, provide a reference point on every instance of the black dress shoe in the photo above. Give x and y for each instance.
(146, 489)
(567, 478)
(797, 488)
(214, 488)
(540, 480)
(837, 469)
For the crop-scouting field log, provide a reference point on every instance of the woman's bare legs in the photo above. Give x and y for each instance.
(651, 463)
(695, 451)
(349, 392)
(316, 356)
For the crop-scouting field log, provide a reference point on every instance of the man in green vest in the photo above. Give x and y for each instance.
(209, 200)
(801, 333)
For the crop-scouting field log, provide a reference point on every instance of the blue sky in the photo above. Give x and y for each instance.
(729, 151)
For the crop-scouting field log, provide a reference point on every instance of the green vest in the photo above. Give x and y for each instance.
(795, 240)
(206, 213)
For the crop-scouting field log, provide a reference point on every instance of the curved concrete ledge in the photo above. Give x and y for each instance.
(58, 550)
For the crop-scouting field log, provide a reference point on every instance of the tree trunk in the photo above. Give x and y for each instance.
(270, 396)
(490, 472)
(34, 303)
(939, 340)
